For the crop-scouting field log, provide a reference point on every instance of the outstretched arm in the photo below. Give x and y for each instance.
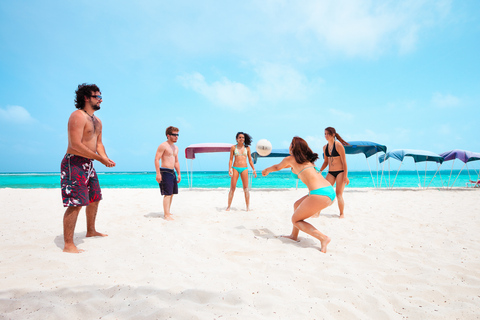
(285, 163)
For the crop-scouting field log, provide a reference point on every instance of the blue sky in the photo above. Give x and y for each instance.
(400, 73)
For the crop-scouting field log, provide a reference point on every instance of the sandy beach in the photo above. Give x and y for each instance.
(398, 254)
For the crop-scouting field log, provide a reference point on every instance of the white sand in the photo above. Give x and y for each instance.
(398, 254)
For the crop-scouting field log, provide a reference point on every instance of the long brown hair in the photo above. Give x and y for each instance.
(301, 151)
(334, 133)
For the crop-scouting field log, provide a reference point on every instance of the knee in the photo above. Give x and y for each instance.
(295, 221)
(232, 189)
(72, 211)
(245, 189)
(296, 204)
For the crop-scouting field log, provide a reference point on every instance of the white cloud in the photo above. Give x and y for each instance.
(316, 143)
(16, 114)
(184, 124)
(275, 83)
(359, 27)
(444, 129)
(341, 114)
(224, 93)
(279, 82)
(445, 100)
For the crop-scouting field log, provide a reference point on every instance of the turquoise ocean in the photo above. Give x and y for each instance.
(220, 179)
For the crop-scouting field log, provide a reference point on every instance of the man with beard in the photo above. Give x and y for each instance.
(79, 181)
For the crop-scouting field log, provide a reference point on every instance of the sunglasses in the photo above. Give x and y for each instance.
(97, 97)
(174, 134)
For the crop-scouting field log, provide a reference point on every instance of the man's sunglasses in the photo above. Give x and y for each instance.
(97, 97)
(174, 134)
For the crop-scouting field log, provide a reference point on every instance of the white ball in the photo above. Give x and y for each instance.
(264, 147)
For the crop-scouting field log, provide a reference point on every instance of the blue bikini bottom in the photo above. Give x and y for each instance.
(325, 191)
(240, 169)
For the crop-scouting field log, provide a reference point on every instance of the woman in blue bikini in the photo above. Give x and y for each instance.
(239, 167)
(334, 158)
(320, 195)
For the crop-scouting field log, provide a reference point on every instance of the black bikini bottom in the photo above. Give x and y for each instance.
(335, 173)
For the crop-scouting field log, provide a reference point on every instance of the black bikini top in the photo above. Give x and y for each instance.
(334, 151)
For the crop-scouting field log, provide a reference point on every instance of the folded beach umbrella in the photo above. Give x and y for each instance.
(417, 155)
(368, 148)
(191, 150)
(276, 153)
(462, 155)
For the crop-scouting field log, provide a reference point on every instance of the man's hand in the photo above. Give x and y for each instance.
(179, 179)
(107, 162)
(158, 178)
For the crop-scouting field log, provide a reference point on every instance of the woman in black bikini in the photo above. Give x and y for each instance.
(334, 158)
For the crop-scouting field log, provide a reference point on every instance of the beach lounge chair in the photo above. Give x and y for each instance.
(473, 184)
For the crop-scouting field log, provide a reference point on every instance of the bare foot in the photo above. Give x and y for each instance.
(316, 215)
(228, 209)
(248, 209)
(325, 243)
(96, 234)
(169, 217)
(72, 249)
(290, 237)
(342, 216)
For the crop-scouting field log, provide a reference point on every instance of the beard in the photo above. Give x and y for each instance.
(96, 107)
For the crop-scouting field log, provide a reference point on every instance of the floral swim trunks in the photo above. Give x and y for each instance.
(79, 181)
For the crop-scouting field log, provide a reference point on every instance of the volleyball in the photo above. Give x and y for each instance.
(264, 147)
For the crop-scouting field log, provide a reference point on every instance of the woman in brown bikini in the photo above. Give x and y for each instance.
(334, 158)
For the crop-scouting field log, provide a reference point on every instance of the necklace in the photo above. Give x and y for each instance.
(330, 150)
(91, 117)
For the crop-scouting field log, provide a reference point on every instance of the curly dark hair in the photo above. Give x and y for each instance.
(248, 138)
(84, 90)
(302, 152)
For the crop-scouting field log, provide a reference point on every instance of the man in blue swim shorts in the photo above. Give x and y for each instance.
(167, 153)
(79, 180)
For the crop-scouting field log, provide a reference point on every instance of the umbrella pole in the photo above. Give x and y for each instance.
(396, 174)
(383, 167)
(191, 173)
(425, 178)
(438, 168)
(418, 175)
(188, 177)
(459, 174)
(389, 182)
(468, 170)
(370, 173)
(451, 171)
